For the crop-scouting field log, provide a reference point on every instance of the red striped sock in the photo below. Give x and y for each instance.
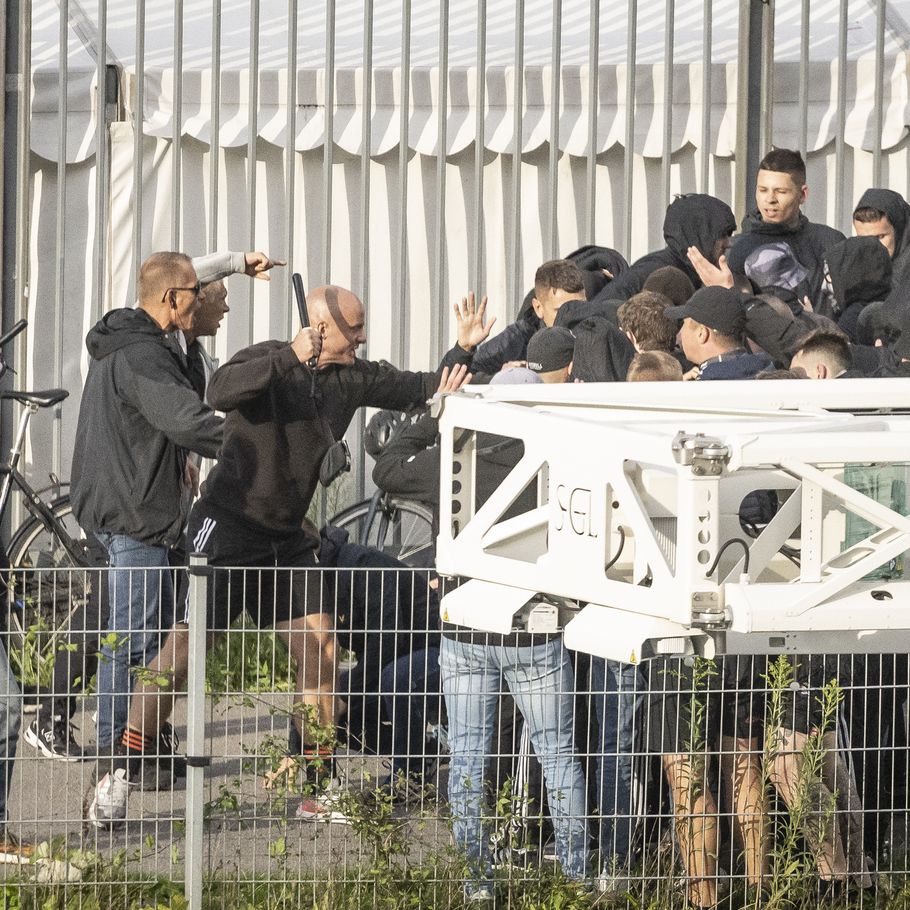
(134, 742)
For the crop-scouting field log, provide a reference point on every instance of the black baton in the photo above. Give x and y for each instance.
(297, 282)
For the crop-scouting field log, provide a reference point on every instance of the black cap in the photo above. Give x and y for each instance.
(550, 349)
(720, 309)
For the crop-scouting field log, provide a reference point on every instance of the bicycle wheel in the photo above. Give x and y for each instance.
(46, 585)
(401, 528)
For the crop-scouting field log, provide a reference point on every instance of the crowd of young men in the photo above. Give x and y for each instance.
(785, 294)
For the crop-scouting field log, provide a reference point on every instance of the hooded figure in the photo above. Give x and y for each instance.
(693, 220)
(854, 273)
(897, 211)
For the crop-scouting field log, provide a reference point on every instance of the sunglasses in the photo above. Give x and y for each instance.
(194, 290)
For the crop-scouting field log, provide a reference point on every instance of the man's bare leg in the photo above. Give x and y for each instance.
(312, 644)
(152, 703)
(741, 766)
(313, 647)
(821, 833)
(696, 826)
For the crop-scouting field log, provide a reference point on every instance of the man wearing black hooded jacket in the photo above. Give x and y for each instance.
(885, 215)
(780, 190)
(693, 220)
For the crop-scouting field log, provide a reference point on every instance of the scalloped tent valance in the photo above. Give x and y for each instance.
(271, 117)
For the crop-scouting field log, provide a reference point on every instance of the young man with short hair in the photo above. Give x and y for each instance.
(823, 355)
(780, 192)
(642, 319)
(654, 366)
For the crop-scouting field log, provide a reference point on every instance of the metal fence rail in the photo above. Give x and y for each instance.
(739, 780)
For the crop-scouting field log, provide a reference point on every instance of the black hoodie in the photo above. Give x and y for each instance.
(898, 211)
(694, 220)
(808, 241)
(139, 417)
(860, 273)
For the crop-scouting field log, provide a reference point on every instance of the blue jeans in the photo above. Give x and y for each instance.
(10, 718)
(410, 690)
(616, 693)
(141, 604)
(541, 682)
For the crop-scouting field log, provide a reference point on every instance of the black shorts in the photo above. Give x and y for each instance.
(802, 703)
(260, 579)
(743, 696)
(693, 701)
(683, 705)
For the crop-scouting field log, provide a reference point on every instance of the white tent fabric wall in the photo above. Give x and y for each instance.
(260, 310)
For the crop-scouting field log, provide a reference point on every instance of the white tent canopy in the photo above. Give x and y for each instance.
(157, 70)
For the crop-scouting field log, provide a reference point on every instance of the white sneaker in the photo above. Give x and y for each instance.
(108, 807)
(325, 805)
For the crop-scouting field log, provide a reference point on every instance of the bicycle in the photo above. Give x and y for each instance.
(402, 528)
(42, 595)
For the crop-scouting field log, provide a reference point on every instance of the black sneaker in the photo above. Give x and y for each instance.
(161, 770)
(53, 737)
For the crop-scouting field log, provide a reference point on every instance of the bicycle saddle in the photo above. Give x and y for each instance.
(45, 399)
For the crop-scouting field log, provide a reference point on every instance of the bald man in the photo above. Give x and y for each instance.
(252, 513)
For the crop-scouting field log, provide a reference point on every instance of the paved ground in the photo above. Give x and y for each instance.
(245, 832)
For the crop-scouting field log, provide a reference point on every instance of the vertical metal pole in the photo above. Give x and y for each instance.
(748, 98)
(364, 240)
(553, 165)
(60, 240)
(215, 127)
(138, 117)
(102, 169)
(21, 96)
(439, 284)
(804, 80)
(402, 285)
(475, 275)
(328, 148)
(707, 73)
(196, 761)
(767, 78)
(667, 151)
(629, 151)
(252, 148)
(593, 101)
(515, 287)
(177, 136)
(878, 107)
(7, 160)
(363, 253)
(17, 43)
(840, 145)
(290, 164)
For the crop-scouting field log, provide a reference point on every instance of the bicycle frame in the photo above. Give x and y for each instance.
(32, 498)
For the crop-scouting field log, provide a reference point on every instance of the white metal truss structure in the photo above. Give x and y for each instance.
(637, 533)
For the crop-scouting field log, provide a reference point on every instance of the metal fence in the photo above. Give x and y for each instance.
(744, 781)
(357, 140)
